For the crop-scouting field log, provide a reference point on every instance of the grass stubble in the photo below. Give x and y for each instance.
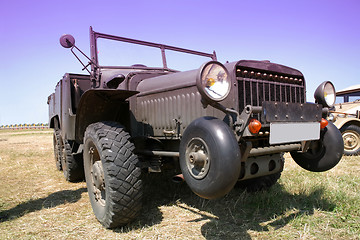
(37, 203)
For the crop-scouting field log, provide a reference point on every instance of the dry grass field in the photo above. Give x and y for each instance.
(37, 203)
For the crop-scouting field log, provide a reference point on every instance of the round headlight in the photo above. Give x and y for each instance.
(325, 94)
(329, 94)
(214, 82)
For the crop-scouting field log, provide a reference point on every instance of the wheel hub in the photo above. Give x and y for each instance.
(197, 158)
(351, 140)
(98, 175)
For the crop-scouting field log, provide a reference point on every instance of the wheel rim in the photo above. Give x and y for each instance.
(197, 158)
(97, 176)
(351, 140)
(315, 150)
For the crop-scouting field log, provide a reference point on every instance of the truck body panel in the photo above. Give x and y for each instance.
(64, 102)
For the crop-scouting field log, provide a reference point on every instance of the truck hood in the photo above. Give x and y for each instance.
(167, 82)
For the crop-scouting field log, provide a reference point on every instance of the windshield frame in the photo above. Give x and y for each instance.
(94, 48)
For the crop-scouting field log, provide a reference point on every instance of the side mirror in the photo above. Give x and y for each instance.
(67, 41)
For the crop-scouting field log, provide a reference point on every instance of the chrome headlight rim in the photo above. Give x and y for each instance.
(325, 94)
(332, 117)
(204, 90)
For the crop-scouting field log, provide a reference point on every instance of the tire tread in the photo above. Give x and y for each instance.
(120, 165)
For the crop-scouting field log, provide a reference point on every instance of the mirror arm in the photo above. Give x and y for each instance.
(85, 66)
(68, 41)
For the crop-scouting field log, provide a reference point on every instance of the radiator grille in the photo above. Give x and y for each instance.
(255, 87)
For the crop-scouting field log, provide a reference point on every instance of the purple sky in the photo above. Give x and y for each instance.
(320, 38)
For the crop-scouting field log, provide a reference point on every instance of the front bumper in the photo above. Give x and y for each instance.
(283, 123)
(290, 112)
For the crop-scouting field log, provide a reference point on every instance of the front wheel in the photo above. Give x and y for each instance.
(324, 153)
(209, 157)
(351, 137)
(112, 174)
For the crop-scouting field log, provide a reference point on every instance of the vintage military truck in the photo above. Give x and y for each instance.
(222, 124)
(346, 117)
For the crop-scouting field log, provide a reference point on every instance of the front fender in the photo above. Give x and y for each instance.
(100, 105)
(347, 120)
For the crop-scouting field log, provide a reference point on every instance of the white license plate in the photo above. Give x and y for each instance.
(294, 132)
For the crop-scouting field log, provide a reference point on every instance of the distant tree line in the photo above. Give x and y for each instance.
(25, 126)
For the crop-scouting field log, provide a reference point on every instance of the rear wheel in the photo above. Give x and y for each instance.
(259, 183)
(72, 167)
(351, 137)
(112, 174)
(264, 182)
(57, 149)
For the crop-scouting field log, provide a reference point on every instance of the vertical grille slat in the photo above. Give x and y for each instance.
(244, 93)
(256, 88)
(247, 93)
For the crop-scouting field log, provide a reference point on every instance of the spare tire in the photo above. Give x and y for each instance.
(324, 153)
